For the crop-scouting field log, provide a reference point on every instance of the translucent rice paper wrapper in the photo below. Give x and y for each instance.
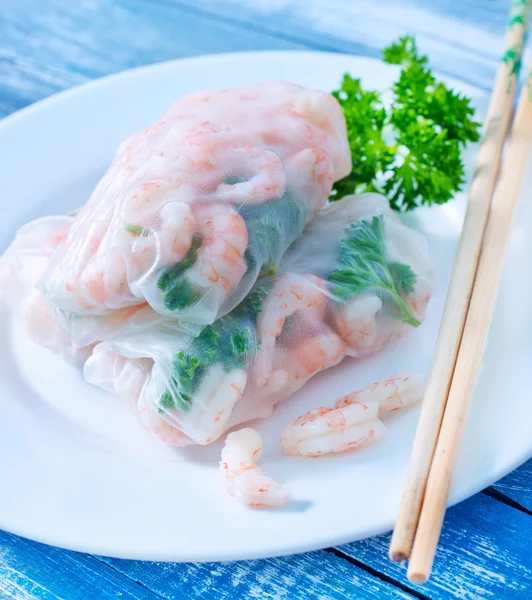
(357, 280)
(21, 267)
(193, 209)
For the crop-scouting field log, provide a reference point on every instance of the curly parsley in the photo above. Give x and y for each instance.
(408, 149)
(364, 268)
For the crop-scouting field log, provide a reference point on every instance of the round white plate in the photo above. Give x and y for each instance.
(78, 471)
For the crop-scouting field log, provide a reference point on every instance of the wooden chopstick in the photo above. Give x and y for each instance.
(461, 285)
(473, 340)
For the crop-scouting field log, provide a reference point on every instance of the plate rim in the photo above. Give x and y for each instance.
(277, 549)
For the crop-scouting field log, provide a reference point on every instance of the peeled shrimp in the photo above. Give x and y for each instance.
(213, 403)
(243, 479)
(291, 293)
(154, 422)
(267, 180)
(366, 329)
(326, 430)
(175, 235)
(354, 421)
(312, 356)
(220, 262)
(392, 394)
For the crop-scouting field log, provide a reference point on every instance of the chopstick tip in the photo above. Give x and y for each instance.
(417, 577)
(398, 556)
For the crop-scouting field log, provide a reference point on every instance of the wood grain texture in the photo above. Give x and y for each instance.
(66, 43)
(32, 570)
(463, 39)
(484, 553)
(455, 311)
(517, 486)
(29, 569)
(475, 334)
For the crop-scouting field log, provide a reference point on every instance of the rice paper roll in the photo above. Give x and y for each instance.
(357, 280)
(193, 209)
(21, 267)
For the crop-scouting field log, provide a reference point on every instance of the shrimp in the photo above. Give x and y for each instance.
(364, 327)
(328, 430)
(354, 420)
(312, 356)
(263, 401)
(319, 109)
(267, 179)
(220, 262)
(212, 403)
(155, 423)
(392, 394)
(244, 480)
(176, 231)
(291, 293)
(315, 169)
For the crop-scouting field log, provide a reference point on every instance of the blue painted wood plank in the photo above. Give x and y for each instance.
(518, 486)
(484, 552)
(463, 39)
(301, 577)
(73, 42)
(32, 570)
(64, 43)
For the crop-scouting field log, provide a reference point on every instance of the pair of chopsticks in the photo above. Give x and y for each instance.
(468, 311)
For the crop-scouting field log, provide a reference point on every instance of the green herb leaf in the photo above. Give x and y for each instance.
(251, 306)
(402, 52)
(228, 341)
(404, 278)
(179, 292)
(137, 230)
(181, 296)
(364, 269)
(410, 148)
(271, 227)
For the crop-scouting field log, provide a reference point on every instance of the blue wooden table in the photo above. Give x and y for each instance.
(50, 45)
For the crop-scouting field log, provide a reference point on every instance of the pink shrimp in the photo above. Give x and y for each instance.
(354, 420)
(392, 394)
(366, 329)
(220, 263)
(263, 175)
(312, 356)
(319, 109)
(212, 404)
(305, 294)
(315, 168)
(176, 231)
(243, 479)
(327, 430)
(155, 423)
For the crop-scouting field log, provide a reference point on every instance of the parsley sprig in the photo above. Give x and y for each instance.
(228, 341)
(410, 148)
(364, 269)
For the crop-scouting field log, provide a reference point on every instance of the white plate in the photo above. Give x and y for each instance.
(78, 471)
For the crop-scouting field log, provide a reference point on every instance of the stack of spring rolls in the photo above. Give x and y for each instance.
(208, 277)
